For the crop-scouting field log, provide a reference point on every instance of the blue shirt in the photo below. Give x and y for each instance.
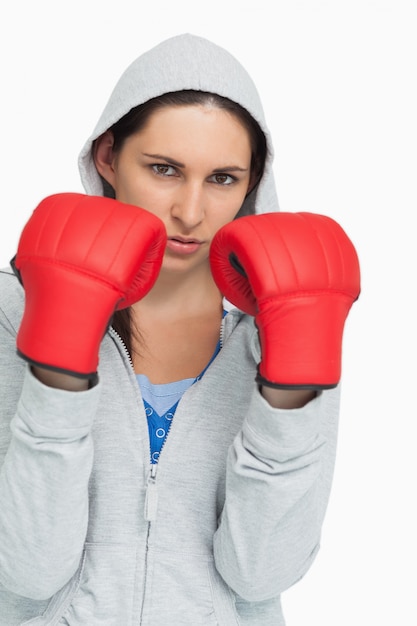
(160, 403)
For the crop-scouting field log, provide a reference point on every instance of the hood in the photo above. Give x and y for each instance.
(183, 62)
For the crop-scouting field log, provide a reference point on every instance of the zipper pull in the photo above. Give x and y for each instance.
(151, 497)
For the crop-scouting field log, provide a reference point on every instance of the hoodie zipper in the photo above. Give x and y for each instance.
(151, 495)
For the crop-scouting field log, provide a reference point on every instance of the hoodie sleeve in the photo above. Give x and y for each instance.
(279, 474)
(46, 455)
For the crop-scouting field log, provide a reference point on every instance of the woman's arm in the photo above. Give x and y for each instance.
(279, 474)
(46, 454)
(44, 489)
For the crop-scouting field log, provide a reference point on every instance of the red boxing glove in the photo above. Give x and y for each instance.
(79, 259)
(298, 275)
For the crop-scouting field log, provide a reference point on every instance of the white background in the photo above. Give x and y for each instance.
(338, 81)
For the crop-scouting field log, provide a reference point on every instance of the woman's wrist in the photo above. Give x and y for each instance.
(57, 380)
(287, 398)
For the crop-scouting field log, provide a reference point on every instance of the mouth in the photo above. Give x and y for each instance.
(183, 245)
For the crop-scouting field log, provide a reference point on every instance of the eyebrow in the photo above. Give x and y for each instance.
(218, 170)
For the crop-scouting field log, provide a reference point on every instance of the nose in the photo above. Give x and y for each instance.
(188, 205)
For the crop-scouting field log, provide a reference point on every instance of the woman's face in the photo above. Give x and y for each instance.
(190, 166)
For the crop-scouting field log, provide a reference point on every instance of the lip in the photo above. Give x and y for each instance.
(183, 245)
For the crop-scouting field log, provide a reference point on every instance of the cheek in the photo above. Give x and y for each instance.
(224, 217)
(134, 190)
(232, 207)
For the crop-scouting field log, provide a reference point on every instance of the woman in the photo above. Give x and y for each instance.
(176, 470)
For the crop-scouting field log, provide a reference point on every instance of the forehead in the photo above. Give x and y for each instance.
(196, 116)
(196, 126)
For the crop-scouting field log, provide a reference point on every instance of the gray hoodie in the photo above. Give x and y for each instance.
(89, 536)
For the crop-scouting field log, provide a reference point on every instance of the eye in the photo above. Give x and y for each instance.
(162, 169)
(223, 179)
